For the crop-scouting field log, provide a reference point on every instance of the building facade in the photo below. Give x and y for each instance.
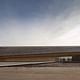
(57, 54)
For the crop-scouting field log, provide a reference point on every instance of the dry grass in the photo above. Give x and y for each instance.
(40, 73)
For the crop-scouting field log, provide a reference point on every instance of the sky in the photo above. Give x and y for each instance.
(39, 22)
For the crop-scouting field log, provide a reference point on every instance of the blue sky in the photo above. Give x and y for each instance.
(39, 22)
(28, 9)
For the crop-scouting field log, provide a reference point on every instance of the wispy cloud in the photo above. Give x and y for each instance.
(62, 29)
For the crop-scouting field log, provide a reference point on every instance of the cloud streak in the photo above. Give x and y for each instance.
(60, 30)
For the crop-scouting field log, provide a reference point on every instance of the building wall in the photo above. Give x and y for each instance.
(38, 57)
(76, 58)
(27, 58)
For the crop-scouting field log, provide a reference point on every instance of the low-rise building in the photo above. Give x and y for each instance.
(40, 53)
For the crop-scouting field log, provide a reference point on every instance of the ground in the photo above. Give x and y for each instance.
(40, 73)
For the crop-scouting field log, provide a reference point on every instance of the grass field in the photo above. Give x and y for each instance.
(40, 73)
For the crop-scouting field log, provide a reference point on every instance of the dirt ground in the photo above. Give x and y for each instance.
(40, 73)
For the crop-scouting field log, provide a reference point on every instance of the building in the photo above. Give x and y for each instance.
(41, 53)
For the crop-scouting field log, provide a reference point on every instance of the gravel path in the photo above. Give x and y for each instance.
(40, 73)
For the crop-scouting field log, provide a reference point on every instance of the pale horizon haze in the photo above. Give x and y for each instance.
(39, 22)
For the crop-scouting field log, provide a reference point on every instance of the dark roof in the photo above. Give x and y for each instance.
(37, 50)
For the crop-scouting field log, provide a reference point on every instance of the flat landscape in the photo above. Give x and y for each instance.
(40, 73)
